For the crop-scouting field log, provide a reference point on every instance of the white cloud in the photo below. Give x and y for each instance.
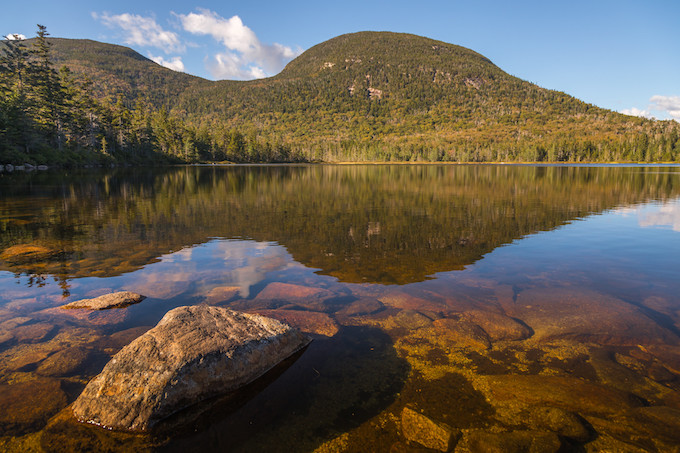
(142, 31)
(15, 36)
(668, 104)
(245, 57)
(636, 112)
(174, 63)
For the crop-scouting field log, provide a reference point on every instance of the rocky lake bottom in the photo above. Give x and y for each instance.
(449, 332)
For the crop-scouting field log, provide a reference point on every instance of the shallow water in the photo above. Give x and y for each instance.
(476, 295)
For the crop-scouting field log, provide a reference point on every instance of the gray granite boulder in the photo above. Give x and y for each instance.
(194, 353)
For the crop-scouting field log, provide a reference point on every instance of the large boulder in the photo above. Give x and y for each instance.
(194, 353)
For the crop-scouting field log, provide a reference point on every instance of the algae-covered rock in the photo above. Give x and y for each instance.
(65, 362)
(498, 326)
(418, 428)
(569, 393)
(194, 353)
(513, 442)
(461, 333)
(412, 319)
(114, 300)
(560, 421)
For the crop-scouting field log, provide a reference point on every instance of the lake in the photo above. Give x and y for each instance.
(509, 307)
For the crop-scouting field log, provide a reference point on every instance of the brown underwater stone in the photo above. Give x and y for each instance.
(513, 442)
(461, 333)
(560, 421)
(499, 327)
(420, 429)
(221, 294)
(292, 293)
(194, 353)
(32, 333)
(90, 317)
(28, 405)
(569, 393)
(405, 301)
(363, 306)
(65, 362)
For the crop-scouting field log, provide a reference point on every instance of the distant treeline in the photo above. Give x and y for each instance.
(50, 116)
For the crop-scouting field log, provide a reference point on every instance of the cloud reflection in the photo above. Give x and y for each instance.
(666, 215)
(238, 263)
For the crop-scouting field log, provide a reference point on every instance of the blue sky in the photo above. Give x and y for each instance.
(623, 55)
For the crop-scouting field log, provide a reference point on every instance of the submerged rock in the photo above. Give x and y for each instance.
(412, 319)
(65, 362)
(560, 421)
(307, 321)
(524, 391)
(363, 306)
(499, 327)
(33, 333)
(418, 428)
(120, 299)
(194, 353)
(291, 293)
(587, 316)
(221, 294)
(461, 333)
(513, 442)
(27, 406)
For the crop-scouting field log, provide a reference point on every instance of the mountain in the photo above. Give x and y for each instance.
(407, 94)
(371, 96)
(119, 71)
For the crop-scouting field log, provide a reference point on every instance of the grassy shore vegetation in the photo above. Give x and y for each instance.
(358, 97)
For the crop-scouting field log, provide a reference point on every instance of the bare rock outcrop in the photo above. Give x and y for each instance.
(193, 353)
(114, 300)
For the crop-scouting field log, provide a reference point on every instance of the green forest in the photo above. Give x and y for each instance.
(50, 115)
(365, 96)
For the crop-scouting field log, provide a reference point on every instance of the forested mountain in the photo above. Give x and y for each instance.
(120, 72)
(362, 96)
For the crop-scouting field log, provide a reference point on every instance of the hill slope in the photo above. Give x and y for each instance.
(120, 71)
(383, 94)
(367, 96)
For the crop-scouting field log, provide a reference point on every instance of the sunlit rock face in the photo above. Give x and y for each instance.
(194, 353)
(119, 299)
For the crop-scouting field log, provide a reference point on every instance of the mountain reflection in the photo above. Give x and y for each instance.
(388, 224)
